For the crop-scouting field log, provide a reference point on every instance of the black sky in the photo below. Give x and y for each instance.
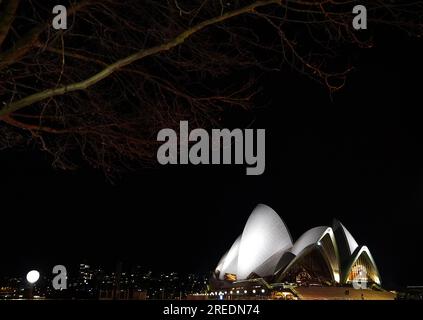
(356, 156)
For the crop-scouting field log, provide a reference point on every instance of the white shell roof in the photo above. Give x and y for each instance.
(352, 244)
(220, 264)
(264, 235)
(268, 267)
(230, 260)
(309, 237)
(367, 251)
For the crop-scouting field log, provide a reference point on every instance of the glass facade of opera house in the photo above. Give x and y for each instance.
(264, 259)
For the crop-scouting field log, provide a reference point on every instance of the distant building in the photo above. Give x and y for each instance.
(411, 293)
(126, 294)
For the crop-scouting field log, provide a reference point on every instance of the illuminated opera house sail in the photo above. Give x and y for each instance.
(326, 255)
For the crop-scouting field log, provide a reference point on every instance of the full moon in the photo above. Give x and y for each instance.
(33, 276)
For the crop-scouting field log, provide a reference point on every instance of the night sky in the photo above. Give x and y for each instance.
(355, 155)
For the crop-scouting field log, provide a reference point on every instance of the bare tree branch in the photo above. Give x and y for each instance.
(30, 39)
(82, 85)
(98, 92)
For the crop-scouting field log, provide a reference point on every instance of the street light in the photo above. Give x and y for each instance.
(33, 276)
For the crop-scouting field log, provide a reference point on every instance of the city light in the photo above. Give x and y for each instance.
(33, 276)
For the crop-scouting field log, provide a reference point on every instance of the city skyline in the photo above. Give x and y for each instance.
(125, 282)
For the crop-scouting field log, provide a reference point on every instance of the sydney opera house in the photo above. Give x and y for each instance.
(265, 257)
